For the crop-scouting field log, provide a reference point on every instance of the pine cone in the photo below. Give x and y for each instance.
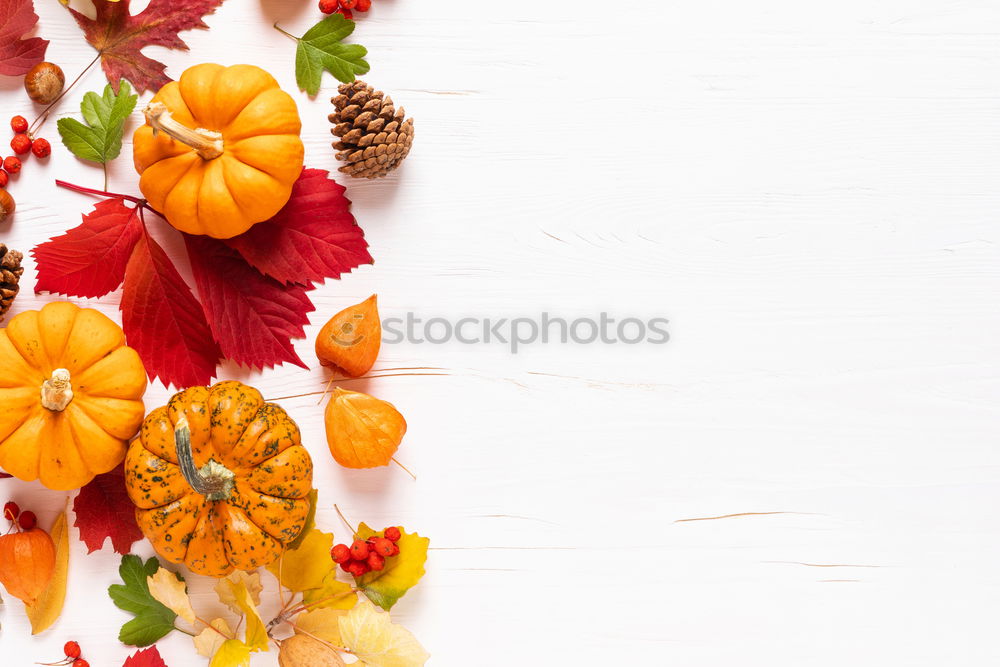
(10, 275)
(374, 138)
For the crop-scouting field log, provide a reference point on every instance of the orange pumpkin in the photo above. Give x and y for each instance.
(220, 149)
(71, 395)
(220, 479)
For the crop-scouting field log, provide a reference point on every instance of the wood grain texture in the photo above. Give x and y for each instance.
(808, 191)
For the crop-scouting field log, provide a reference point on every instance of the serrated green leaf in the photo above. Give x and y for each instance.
(400, 573)
(100, 139)
(153, 620)
(320, 49)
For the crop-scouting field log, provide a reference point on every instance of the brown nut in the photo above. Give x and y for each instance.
(44, 82)
(304, 651)
(6, 205)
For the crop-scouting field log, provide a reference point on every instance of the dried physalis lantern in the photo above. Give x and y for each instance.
(361, 430)
(352, 338)
(27, 556)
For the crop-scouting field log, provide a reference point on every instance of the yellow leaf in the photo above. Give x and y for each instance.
(209, 641)
(307, 566)
(49, 605)
(322, 624)
(171, 592)
(252, 583)
(256, 634)
(401, 573)
(332, 594)
(233, 653)
(370, 634)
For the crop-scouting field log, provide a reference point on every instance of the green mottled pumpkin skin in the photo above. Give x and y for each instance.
(232, 424)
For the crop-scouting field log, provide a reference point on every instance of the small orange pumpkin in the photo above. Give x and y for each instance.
(220, 149)
(220, 479)
(71, 395)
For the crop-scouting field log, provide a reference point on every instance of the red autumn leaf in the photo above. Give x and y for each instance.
(103, 510)
(163, 321)
(5, 475)
(253, 317)
(149, 657)
(313, 237)
(119, 36)
(17, 55)
(90, 260)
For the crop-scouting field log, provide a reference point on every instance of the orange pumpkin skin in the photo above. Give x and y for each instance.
(65, 435)
(261, 156)
(267, 504)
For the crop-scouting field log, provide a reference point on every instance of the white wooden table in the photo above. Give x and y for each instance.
(808, 191)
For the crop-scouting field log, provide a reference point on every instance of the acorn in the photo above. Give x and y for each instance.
(44, 82)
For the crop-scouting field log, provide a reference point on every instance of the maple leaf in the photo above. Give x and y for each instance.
(313, 237)
(119, 36)
(372, 636)
(163, 321)
(253, 317)
(103, 510)
(149, 657)
(17, 55)
(89, 261)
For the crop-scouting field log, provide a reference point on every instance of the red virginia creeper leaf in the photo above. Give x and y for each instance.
(253, 317)
(103, 510)
(164, 322)
(119, 36)
(90, 260)
(313, 237)
(149, 657)
(17, 55)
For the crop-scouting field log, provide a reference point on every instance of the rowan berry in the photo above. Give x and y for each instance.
(27, 520)
(11, 510)
(41, 148)
(348, 4)
(11, 164)
(80, 662)
(20, 144)
(358, 568)
(19, 124)
(364, 5)
(328, 6)
(395, 549)
(392, 533)
(341, 553)
(72, 650)
(359, 550)
(375, 562)
(3, 179)
(382, 546)
(346, 13)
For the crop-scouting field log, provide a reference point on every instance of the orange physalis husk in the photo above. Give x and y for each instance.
(27, 562)
(352, 338)
(361, 430)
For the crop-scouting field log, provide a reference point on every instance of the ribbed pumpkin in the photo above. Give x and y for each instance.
(70, 395)
(220, 479)
(220, 149)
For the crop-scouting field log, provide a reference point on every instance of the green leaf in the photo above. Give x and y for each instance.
(153, 620)
(100, 140)
(400, 574)
(321, 49)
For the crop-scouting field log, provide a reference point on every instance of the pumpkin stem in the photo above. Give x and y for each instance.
(208, 143)
(57, 391)
(213, 480)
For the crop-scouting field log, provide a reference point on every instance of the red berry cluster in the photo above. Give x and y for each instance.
(22, 143)
(73, 659)
(363, 556)
(24, 520)
(345, 7)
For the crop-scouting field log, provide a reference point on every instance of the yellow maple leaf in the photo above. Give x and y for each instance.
(306, 567)
(255, 638)
(322, 624)
(209, 641)
(250, 580)
(171, 592)
(49, 605)
(372, 636)
(232, 653)
(333, 594)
